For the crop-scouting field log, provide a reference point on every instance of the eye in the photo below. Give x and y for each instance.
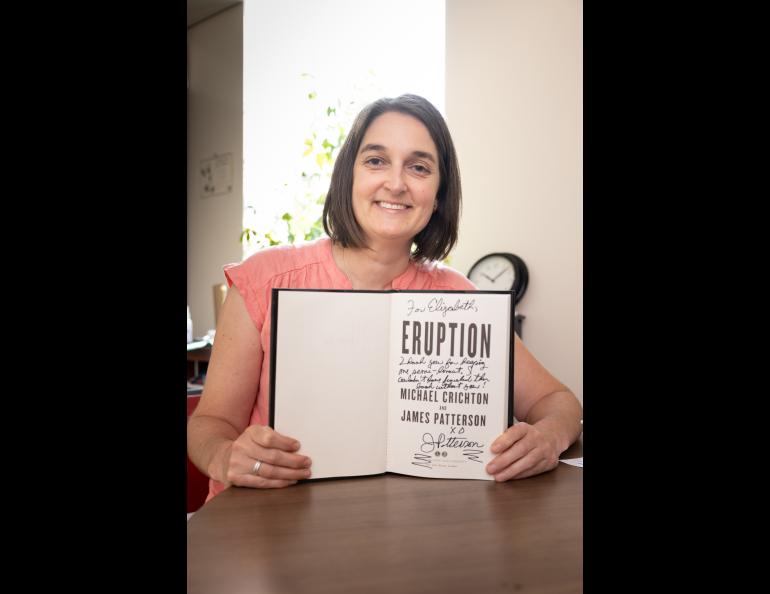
(374, 161)
(421, 169)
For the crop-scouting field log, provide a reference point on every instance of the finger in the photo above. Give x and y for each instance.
(533, 463)
(517, 451)
(243, 474)
(509, 437)
(245, 454)
(268, 437)
(519, 468)
(258, 482)
(271, 471)
(279, 458)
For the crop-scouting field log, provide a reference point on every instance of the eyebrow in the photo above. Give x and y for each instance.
(379, 147)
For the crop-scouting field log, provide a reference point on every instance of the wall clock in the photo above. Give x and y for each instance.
(500, 272)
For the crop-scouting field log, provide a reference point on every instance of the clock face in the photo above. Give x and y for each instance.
(493, 273)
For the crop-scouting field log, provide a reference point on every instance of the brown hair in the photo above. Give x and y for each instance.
(439, 236)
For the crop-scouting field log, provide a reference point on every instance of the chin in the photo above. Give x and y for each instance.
(384, 235)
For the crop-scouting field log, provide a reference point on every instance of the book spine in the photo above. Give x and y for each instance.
(273, 350)
(512, 327)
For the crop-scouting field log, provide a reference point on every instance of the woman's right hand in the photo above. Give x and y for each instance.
(280, 467)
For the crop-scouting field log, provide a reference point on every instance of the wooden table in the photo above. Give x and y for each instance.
(394, 534)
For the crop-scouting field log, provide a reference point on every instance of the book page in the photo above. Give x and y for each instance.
(448, 382)
(330, 383)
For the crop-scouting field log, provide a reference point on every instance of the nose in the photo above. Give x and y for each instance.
(395, 182)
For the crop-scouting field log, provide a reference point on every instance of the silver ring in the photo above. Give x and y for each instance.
(255, 470)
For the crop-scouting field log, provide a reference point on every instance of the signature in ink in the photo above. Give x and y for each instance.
(473, 455)
(429, 444)
(423, 460)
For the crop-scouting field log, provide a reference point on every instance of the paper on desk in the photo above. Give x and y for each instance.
(199, 344)
(573, 461)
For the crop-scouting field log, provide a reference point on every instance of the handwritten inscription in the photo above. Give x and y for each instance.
(437, 304)
(463, 374)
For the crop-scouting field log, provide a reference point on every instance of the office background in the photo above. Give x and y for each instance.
(514, 106)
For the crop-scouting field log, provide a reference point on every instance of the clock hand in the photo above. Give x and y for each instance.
(498, 275)
(489, 279)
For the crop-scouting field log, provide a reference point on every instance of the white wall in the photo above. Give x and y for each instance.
(214, 126)
(514, 107)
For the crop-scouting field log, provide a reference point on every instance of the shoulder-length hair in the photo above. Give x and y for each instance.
(439, 236)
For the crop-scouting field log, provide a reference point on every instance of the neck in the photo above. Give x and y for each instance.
(371, 268)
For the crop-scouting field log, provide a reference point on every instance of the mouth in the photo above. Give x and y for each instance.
(392, 205)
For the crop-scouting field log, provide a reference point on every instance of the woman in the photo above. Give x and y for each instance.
(392, 211)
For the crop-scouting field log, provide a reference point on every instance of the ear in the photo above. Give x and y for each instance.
(435, 205)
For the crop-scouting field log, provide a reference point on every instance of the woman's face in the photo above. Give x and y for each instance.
(395, 178)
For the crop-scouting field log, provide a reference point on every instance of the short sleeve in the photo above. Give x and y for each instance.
(240, 276)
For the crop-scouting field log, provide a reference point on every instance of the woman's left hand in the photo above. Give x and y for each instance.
(523, 450)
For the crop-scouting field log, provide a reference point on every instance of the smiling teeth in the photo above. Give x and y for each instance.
(393, 206)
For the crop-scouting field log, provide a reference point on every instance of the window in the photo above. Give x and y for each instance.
(309, 67)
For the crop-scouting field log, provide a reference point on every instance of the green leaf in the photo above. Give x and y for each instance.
(286, 216)
(331, 110)
(326, 144)
(312, 95)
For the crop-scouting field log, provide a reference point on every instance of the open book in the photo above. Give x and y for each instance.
(413, 382)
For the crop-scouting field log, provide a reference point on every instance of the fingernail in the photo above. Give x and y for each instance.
(495, 447)
(491, 469)
(308, 462)
(296, 445)
(306, 473)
